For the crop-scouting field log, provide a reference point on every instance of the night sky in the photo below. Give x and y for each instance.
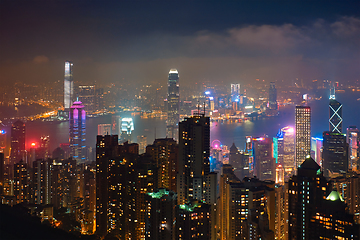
(217, 41)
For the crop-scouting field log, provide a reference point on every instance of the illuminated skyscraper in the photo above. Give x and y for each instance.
(272, 96)
(335, 116)
(127, 126)
(17, 142)
(164, 151)
(316, 150)
(289, 150)
(173, 105)
(335, 153)
(194, 152)
(353, 139)
(302, 133)
(264, 163)
(68, 85)
(235, 92)
(306, 190)
(77, 131)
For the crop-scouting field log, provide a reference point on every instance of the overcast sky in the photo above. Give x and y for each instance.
(139, 41)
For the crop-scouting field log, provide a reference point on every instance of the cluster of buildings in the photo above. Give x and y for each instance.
(286, 187)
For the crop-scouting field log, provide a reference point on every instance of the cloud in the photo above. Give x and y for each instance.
(40, 59)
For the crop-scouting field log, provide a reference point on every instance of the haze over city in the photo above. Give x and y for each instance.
(139, 41)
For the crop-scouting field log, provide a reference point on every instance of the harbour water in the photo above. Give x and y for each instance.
(226, 133)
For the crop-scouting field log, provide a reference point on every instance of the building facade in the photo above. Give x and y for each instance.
(68, 85)
(302, 133)
(173, 105)
(77, 119)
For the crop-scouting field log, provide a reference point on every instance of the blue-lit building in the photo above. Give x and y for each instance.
(77, 131)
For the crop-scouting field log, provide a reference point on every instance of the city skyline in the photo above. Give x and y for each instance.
(249, 143)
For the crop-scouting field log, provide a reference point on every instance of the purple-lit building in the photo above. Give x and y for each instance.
(77, 131)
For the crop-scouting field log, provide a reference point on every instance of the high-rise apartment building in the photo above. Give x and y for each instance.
(68, 85)
(41, 182)
(272, 96)
(86, 95)
(306, 190)
(332, 220)
(335, 153)
(193, 221)
(77, 138)
(160, 215)
(335, 115)
(17, 142)
(164, 152)
(193, 158)
(122, 180)
(348, 186)
(21, 182)
(302, 133)
(353, 139)
(238, 199)
(173, 105)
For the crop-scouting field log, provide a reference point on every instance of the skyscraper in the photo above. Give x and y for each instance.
(306, 191)
(17, 141)
(77, 131)
(335, 116)
(193, 161)
(235, 92)
(173, 105)
(272, 96)
(264, 163)
(302, 133)
(353, 139)
(68, 85)
(164, 151)
(289, 150)
(335, 153)
(160, 214)
(87, 97)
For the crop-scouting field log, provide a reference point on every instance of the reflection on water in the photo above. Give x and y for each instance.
(227, 133)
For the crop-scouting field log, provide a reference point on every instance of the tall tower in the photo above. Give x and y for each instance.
(335, 114)
(173, 104)
(68, 85)
(77, 131)
(17, 141)
(235, 92)
(335, 153)
(353, 139)
(193, 159)
(306, 191)
(302, 133)
(272, 96)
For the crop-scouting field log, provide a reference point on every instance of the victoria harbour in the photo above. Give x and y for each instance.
(226, 132)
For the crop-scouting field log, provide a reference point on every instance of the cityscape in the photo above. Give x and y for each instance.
(142, 145)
